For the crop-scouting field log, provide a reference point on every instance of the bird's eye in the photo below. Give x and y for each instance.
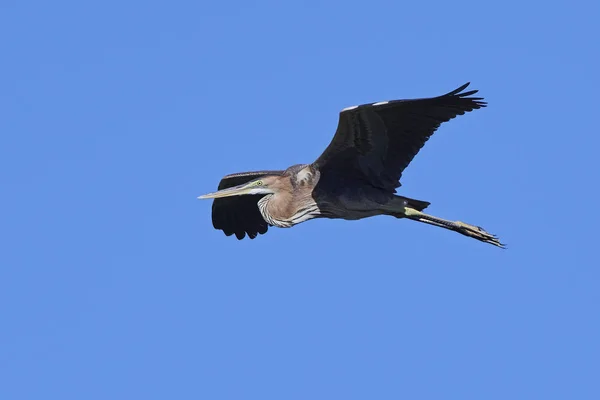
(259, 183)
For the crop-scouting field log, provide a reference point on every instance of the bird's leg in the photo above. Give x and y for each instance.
(476, 232)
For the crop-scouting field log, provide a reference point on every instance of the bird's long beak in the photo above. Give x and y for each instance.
(233, 191)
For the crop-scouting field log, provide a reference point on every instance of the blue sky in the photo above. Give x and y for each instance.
(117, 115)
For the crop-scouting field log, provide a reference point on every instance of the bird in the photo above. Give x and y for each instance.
(356, 176)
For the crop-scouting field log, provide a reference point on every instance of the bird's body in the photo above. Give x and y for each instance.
(356, 177)
(307, 199)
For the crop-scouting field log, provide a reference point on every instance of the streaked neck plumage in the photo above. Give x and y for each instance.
(293, 202)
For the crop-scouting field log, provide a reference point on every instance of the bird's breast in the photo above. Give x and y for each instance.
(287, 212)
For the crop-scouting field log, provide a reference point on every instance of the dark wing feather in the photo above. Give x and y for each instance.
(377, 141)
(239, 215)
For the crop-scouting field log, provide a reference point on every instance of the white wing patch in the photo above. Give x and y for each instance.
(380, 103)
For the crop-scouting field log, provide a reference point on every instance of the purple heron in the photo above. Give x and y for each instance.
(355, 177)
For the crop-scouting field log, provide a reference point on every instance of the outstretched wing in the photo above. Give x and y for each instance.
(239, 215)
(377, 141)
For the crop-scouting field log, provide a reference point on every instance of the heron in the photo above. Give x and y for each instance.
(356, 176)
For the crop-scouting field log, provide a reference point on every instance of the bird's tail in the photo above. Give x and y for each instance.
(411, 209)
(418, 205)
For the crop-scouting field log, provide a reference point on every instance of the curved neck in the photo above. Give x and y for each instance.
(285, 210)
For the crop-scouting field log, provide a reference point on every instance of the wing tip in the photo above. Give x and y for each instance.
(477, 102)
(460, 89)
(241, 233)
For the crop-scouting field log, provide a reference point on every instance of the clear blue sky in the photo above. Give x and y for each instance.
(115, 116)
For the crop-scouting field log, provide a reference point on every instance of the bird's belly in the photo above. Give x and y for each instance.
(350, 210)
(354, 203)
(356, 215)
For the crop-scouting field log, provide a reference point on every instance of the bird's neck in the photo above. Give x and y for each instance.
(285, 210)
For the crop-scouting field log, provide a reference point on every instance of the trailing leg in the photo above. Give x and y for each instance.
(476, 232)
(404, 207)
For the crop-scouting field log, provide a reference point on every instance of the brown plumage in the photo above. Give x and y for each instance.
(356, 176)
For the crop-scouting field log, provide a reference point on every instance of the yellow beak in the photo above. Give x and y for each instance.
(233, 191)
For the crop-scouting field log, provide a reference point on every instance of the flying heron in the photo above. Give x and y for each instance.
(355, 177)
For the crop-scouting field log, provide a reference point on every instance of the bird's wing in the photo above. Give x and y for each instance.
(240, 215)
(377, 141)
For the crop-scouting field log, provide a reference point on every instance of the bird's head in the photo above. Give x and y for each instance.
(264, 185)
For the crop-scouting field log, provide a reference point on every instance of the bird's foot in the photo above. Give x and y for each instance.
(479, 233)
